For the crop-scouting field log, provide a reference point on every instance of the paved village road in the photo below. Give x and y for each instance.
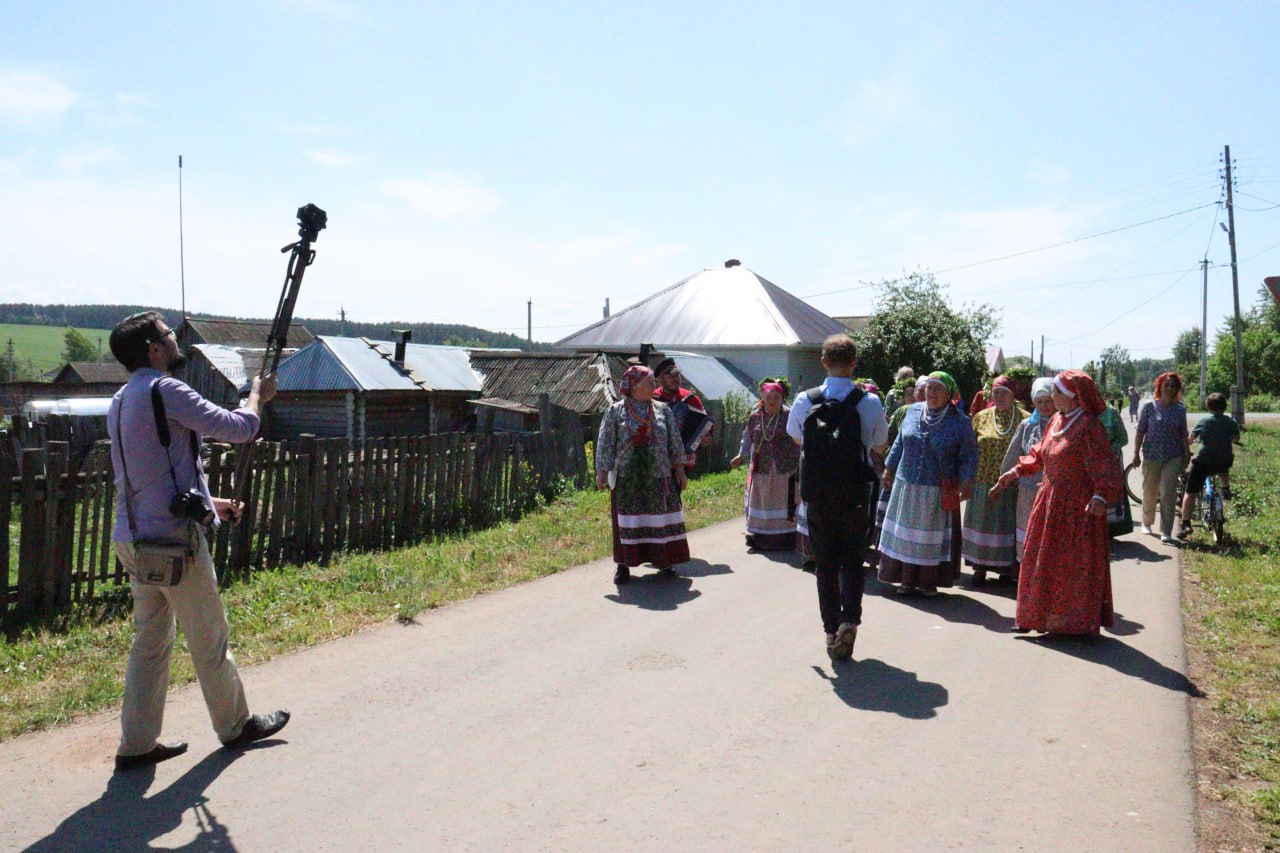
(699, 713)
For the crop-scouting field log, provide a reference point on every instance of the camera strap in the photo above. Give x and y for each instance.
(162, 432)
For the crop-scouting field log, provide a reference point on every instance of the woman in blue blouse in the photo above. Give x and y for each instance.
(1162, 448)
(935, 452)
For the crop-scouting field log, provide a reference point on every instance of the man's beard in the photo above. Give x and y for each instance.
(176, 363)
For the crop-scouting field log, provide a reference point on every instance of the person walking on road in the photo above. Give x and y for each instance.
(1135, 397)
(1064, 586)
(1027, 436)
(930, 470)
(1162, 438)
(640, 458)
(837, 424)
(156, 423)
(773, 461)
(990, 524)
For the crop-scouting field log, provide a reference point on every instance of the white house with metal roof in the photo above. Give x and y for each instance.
(730, 313)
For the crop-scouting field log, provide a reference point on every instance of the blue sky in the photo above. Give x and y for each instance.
(474, 156)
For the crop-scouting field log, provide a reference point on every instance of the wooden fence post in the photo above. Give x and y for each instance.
(31, 544)
(7, 484)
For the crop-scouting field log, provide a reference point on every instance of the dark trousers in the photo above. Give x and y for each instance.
(839, 542)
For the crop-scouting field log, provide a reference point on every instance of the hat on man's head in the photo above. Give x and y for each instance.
(666, 366)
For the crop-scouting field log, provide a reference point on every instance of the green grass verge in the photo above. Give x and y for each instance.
(43, 345)
(53, 673)
(1234, 625)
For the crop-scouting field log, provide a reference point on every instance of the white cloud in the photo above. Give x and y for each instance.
(74, 162)
(878, 107)
(330, 158)
(443, 195)
(1050, 174)
(26, 96)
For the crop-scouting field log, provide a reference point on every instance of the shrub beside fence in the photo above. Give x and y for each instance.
(308, 500)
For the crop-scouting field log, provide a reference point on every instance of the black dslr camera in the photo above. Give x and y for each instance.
(190, 504)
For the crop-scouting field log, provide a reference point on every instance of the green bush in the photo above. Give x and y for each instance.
(1261, 403)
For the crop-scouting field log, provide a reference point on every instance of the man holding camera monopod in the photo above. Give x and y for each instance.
(163, 506)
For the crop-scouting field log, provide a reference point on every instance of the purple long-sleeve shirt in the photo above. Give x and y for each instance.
(153, 488)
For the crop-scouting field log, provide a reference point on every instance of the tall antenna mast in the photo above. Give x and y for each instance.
(182, 260)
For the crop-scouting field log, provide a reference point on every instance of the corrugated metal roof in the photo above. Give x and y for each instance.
(93, 371)
(357, 364)
(578, 382)
(244, 333)
(237, 364)
(710, 376)
(729, 306)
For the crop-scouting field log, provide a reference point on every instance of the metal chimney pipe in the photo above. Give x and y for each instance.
(403, 338)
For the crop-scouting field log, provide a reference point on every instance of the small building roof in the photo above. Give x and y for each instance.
(239, 333)
(727, 306)
(995, 360)
(236, 364)
(854, 322)
(712, 377)
(92, 371)
(331, 363)
(580, 382)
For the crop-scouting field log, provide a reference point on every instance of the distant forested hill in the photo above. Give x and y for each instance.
(106, 316)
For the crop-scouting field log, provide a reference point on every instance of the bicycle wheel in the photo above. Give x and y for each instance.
(1219, 526)
(1132, 495)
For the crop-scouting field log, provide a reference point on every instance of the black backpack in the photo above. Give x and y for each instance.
(834, 474)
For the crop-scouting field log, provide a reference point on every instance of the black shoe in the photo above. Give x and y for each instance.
(666, 572)
(1226, 493)
(622, 576)
(259, 727)
(160, 752)
(809, 565)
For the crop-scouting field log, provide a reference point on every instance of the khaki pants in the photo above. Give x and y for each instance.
(1160, 482)
(198, 608)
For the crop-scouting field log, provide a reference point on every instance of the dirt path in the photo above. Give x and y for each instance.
(699, 713)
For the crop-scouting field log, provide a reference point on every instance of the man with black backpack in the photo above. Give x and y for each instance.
(836, 424)
(163, 506)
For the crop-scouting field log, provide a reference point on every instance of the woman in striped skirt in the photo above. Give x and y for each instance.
(1025, 437)
(640, 457)
(773, 460)
(990, 522)
(930, 468)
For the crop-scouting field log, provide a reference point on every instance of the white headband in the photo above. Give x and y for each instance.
(1057, 383)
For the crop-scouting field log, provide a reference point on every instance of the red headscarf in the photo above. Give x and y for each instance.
(1079, 385)
(633, 374)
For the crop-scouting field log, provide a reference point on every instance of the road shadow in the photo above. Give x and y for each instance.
(873, 685)
(787, 557)
(1124, 659)
(1131, 549)
(1124, 627)
(952, 606)
(655, 592)
(699, 568)
(125, 818)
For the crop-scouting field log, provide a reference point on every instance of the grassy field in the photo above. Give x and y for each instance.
(52, 673)
(43, 345)
(1232, 602)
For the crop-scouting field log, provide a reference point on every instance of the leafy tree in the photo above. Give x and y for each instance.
(77, 347)
(1116, 369)
(1186, 350)
(1260, 335)
(914, 324)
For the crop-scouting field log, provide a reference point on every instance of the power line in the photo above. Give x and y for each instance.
(1273, 204)
(1075, 240)
(1121, 316)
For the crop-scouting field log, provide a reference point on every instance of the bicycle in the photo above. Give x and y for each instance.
(1213, 513)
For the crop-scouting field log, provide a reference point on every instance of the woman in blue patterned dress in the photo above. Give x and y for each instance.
(935, 452)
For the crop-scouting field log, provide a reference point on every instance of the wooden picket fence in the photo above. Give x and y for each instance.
(308, 501)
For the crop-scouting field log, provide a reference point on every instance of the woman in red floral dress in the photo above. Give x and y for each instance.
(1065, 584)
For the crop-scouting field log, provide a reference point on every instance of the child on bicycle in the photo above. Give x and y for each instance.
(1216, 433)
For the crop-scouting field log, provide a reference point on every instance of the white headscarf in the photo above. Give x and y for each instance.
(1043, 385)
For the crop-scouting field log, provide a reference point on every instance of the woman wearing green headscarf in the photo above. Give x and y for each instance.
(930, 468)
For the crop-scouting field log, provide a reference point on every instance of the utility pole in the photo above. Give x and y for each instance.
(1041, 371)
(1204, 331)
(342, 314)
(530, 325)
(1237, 390)
(1033, 352)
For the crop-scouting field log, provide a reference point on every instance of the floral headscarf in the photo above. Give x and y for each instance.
(635, 373)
